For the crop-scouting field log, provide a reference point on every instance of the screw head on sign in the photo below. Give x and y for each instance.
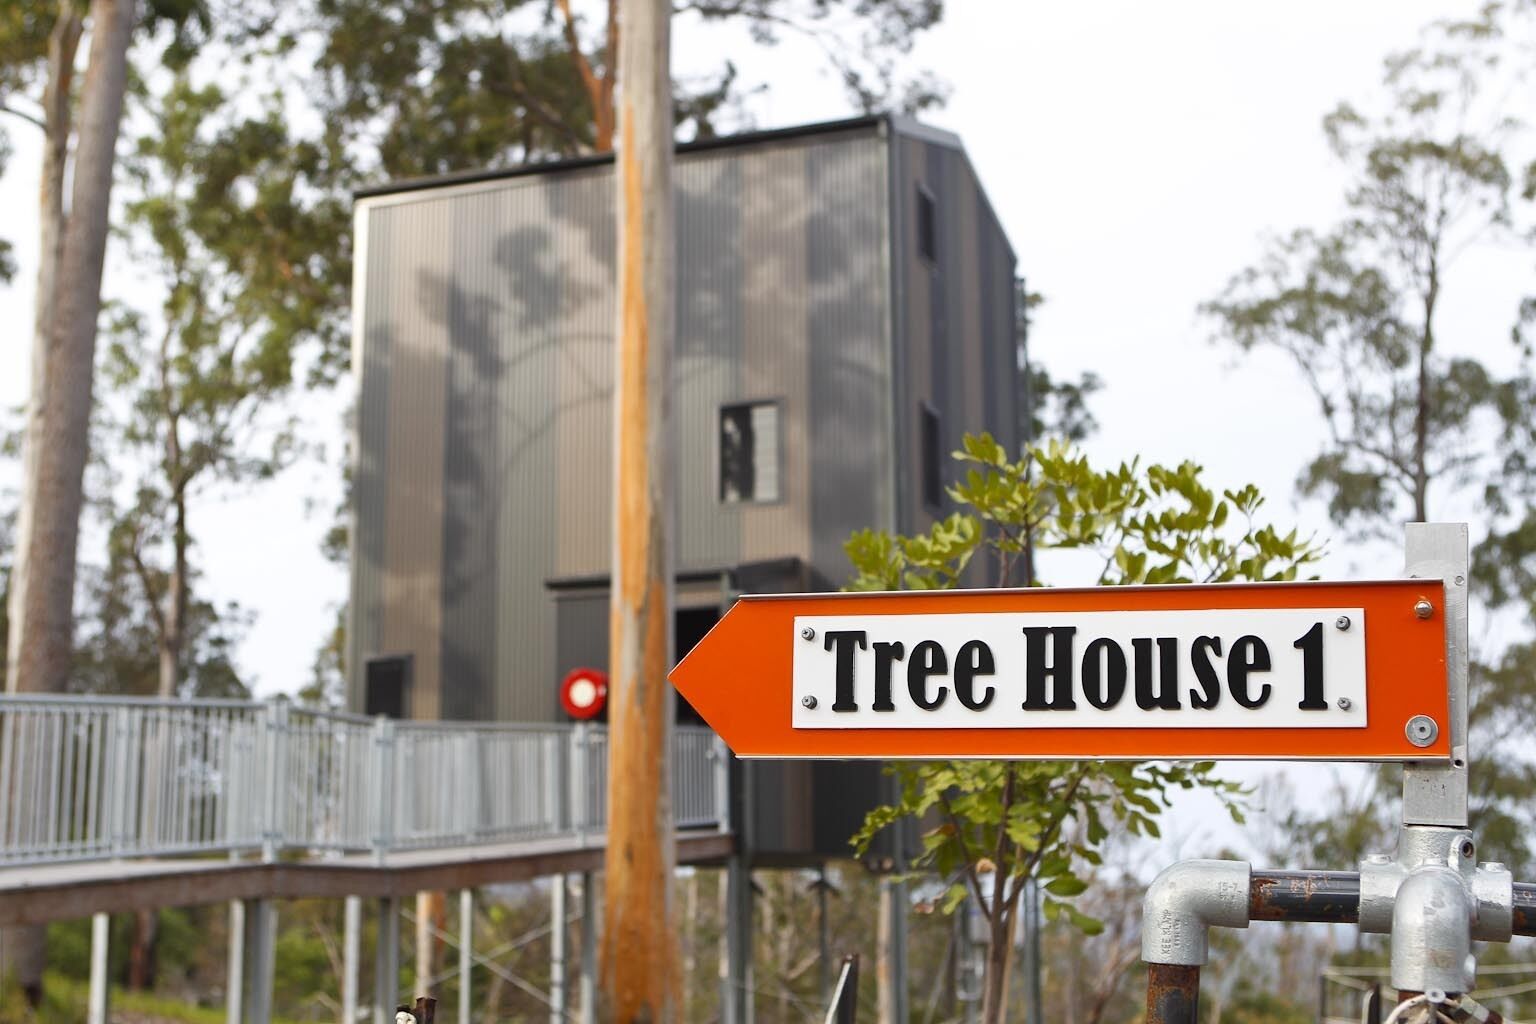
(1341, 623)
(808, 702)
(1423, 609)
(807, 633)
(1421, 730)
(1460, 580)
(1345, 703)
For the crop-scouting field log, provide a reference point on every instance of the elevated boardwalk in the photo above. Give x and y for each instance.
(54, 892)
(115, 805)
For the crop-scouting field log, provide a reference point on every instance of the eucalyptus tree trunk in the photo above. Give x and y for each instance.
(58, 435)
(63, 45)
(640, 958)
(71, 252)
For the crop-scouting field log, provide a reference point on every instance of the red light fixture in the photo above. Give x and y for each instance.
(584, 692)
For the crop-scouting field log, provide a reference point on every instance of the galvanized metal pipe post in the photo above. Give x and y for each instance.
(351, 955)
(234, 986)
(557, 916)
(466, 950)
(386, 962)
(588, 948)
(736, 1005)
(261, 964)
(96, 1008)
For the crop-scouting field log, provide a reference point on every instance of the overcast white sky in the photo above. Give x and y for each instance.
(1136, 153)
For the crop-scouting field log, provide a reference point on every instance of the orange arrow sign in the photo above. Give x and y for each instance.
(1290, 671)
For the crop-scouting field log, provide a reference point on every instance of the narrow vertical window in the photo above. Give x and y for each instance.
(932, 453)
(749, 453)
(927, 226)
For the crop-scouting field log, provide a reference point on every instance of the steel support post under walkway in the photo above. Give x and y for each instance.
(386, 962)
(557, 921)
(260, 960)
(736, 1003)
(234, 982)
(351, 955)
(101, 932)
(466, 950)
(588, 948)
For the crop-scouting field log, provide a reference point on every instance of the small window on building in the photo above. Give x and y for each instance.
(749, 453)
(927, 226)
(932, 454)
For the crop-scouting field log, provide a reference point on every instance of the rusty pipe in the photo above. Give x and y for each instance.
(1173, 993)
(1525, 908)
(1329, 897)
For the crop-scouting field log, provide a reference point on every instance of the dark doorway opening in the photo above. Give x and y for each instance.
(688, 627)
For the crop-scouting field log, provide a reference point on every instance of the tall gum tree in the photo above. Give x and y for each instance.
(1416, 428)
(72, 249)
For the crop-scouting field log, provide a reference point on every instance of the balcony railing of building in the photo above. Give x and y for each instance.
(94, 778)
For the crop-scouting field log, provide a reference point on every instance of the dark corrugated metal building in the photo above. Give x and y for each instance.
(844, 315)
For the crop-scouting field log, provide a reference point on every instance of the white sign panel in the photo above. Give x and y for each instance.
(1215, 668)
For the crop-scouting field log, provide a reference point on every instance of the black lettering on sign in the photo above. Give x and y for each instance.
(885, 653)
(1205, 673)
(928, 659)
(1311, 647)
(1159, 688)
(1105, 687)
(1249, 654)
(1060, 668)
(845, 641)
(973, 659)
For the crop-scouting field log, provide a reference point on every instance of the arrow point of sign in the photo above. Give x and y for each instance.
(716, 676)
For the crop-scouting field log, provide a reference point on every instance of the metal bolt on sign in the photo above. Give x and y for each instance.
(1430, 896)
(1421, 730)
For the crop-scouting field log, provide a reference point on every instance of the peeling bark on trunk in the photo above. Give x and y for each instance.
(640, 961)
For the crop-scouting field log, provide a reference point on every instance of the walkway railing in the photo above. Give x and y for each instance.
(85, 778)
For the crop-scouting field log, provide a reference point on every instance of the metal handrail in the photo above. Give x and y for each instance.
(94, 778)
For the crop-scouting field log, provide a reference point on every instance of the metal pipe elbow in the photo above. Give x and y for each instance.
(1182, 904)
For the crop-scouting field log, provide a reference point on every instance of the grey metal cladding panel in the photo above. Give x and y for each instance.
(581, 635)
(850, 373)
(1002, 354)
(368, 487)
(954, 327)
(987, 323)
(707, 359)
(413, 494)
(469, 292)
(942, 348)
(584, 424)
(549, 249)
(916, 299)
